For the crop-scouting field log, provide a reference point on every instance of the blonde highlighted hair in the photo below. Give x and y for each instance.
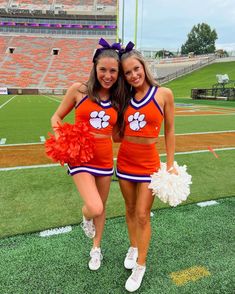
(148, 75)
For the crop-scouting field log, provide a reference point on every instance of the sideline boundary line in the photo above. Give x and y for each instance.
(22, 144)
(57, 164)
(183, 134)
(218, 114)
(29, 166)
(201, 151)
(203, 133)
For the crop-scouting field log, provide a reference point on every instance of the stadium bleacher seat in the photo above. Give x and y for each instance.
(107, 2)
(75, 2)
(35, 2)
(32, 63)
(35, 58)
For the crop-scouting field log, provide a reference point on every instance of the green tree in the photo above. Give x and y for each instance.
(163, 53)
(201, 40)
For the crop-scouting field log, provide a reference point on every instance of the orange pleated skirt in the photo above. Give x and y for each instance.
(102, 162)
(136, 162)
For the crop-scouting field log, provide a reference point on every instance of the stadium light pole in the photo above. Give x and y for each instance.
(136, 23)
(123, 20)
(123, 17)
(117, 21)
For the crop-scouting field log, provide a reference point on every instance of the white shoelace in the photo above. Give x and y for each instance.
(136, 272)
(96, 255)
(88, 226)
(130, 253)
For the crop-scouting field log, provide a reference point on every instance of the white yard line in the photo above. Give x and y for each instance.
(203, 133)
(51, 98)
(23, 144)
(200, 151)
(1, 106)
(28, 167)
(180, 105)
(55, 231)
(163, 154)
(225, 114)
(183, 134)
(187, 110)
(57, 164)
(197, 151)
(207, 203)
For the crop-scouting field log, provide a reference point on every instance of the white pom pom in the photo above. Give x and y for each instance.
(171, 188)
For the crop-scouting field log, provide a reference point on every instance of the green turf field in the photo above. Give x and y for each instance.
(30, 118)
(190, 252)
(202, 78)
(36, 199)
(27, 117)
(191, 248)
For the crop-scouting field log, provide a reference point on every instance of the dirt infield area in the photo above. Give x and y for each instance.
(26, 155)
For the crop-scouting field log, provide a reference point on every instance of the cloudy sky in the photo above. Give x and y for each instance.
(166, 23)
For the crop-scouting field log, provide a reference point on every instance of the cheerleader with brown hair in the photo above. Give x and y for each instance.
(96, 103)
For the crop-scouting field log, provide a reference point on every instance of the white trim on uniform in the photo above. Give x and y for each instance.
(74, 170)
(145, 100)
(132, 177)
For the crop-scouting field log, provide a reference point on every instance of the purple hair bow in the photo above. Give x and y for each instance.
(128, 48)
(105, 45)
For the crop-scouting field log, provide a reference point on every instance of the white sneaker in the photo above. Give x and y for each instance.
(134, 281)
(88, 227)
(131, 258)
(96, 257)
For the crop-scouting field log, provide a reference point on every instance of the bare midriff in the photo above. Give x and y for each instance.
(100, 135)
(140, 140)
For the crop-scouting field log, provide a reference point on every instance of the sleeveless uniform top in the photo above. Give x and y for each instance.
(101, 116)
(143, 118)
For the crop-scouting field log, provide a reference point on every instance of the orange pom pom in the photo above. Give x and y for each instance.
(75, 145)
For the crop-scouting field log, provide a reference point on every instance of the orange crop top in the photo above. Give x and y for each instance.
(101, 116)
(143, 118)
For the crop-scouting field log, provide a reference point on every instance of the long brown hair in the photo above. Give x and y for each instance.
(118, 91)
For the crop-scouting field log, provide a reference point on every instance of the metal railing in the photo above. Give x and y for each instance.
(214, 93)
(183, 71)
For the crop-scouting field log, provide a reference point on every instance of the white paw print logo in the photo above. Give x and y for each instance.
(136, 121)
(99, 120)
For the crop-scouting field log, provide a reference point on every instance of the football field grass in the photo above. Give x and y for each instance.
(191, 251)
(26, 118)
(201, 78)
(35, 199)
(192, 247)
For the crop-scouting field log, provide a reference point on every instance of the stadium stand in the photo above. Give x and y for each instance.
(72, 64)
(74, 3)
(70, 3)
(34, 64)
(66, 5)
(36, 2)
(107, 2)
(49, 44)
